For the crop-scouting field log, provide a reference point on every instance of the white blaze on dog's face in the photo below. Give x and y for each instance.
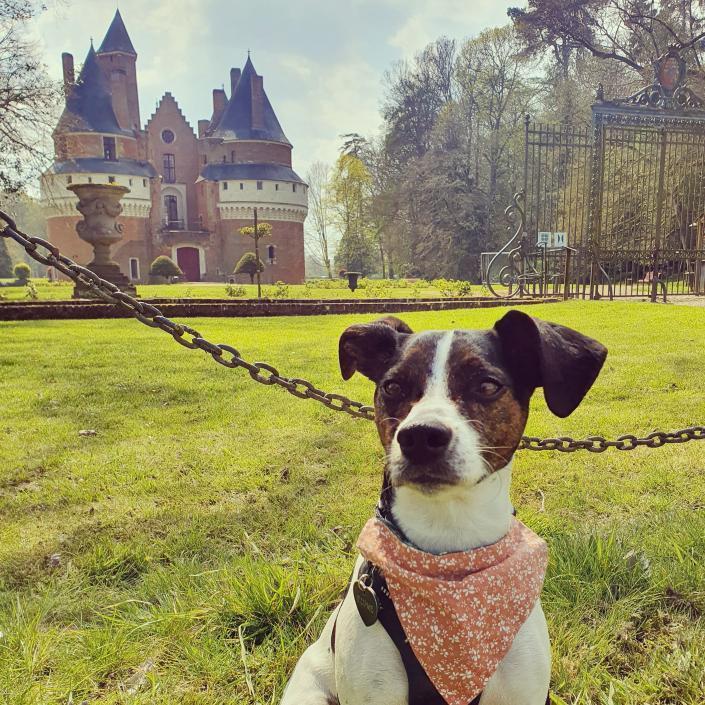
(451, 406)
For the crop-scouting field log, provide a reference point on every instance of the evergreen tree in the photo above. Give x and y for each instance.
(350, 202)
(5, 261)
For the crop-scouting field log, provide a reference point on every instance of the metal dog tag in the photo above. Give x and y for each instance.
(366, 600)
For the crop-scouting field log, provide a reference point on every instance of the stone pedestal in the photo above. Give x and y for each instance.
(99, 204)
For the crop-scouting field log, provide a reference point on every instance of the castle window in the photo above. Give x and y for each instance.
(168, 136)
(109, 151)
(242, 186)
(134, 268)
(293, 187)
(205, 159)
(225, 185)
(111, 179)
(272, 254)
(90, 179)
(144, 183)
(130, 181)
(169, 169)
(276, 187)
(225, 159)
(69, 179)
(259, 185)
(171, 211)
(232, 156)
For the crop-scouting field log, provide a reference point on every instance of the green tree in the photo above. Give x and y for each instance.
(250, 265)
(5, 261)
(349, 192)
(164, 266)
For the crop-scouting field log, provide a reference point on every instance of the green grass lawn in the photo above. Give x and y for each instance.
(209, 524)
(54, 291)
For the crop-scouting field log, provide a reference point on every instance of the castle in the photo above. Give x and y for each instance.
(189, 193)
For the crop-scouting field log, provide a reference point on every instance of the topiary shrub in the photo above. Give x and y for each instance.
(248, 265)
(22, 272)
(165, 267)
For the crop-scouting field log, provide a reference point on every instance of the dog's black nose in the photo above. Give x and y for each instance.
(424, 443)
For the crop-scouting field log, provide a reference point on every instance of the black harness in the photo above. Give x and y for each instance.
(374, 603)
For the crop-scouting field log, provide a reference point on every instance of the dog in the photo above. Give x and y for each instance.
(450, 409)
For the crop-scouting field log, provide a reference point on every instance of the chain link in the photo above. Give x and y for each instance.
(269, 375)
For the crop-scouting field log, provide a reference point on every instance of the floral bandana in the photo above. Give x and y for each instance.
(460, 611)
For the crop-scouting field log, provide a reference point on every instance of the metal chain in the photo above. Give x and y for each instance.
(268, 375)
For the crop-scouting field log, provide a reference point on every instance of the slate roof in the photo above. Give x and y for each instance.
(89, 106)
(236, 121)
(226, 171)
(95, 165)
(117, 38)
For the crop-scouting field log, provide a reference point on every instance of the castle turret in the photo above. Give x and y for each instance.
(246, 164)
(91, 146)
(118, 59)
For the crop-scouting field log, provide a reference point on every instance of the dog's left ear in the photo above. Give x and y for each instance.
(371, 348)
(540, 354)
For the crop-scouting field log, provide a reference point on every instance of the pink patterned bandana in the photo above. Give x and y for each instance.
(460, 611)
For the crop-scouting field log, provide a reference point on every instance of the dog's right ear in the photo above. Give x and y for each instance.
(371, 348)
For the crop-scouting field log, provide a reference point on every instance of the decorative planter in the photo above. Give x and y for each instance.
(99, 204)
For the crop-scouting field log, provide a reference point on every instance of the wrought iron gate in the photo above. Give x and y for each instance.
(626, 195)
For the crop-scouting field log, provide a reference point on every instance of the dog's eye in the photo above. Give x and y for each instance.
(392, 389)
(489, 388)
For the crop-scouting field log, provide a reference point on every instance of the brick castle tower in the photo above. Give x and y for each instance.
(189, 193)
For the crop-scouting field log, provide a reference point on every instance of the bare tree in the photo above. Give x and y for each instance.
(28, 99)
(631, 32)
(317, 242)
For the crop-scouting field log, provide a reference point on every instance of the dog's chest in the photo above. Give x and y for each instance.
(369, 669)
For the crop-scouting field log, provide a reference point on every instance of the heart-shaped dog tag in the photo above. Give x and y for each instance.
(366, 601)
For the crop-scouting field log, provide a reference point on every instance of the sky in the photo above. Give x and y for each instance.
(323, 61)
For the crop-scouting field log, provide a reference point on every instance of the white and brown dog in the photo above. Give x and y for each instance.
(451, 408)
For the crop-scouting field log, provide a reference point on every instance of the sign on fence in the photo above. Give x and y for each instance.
(552, 240)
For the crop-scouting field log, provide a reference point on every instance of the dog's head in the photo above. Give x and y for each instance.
(451, 406)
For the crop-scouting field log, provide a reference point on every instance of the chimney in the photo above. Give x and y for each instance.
(220, 100)
(203, 127)
(69, 76)
(234, 79)
(257, 103)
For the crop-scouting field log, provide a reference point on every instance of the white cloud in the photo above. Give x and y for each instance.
(455, 18)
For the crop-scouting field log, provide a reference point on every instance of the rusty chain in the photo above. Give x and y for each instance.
(268, 375)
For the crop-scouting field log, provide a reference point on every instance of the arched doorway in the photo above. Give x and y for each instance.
(188, 260)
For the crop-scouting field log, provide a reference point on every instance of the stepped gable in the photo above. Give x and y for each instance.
(163, 101)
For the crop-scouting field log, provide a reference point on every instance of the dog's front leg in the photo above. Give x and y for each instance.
(313, 679)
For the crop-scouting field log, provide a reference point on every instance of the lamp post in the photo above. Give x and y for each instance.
(256, 236)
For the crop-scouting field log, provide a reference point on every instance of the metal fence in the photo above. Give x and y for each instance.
(626, 193)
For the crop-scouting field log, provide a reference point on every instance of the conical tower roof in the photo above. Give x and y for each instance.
(243, 118)
(89, 106)
(117, 38)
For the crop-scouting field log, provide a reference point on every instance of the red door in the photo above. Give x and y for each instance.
(188, 261)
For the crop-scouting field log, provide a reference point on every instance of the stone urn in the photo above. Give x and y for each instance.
(99, 204)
